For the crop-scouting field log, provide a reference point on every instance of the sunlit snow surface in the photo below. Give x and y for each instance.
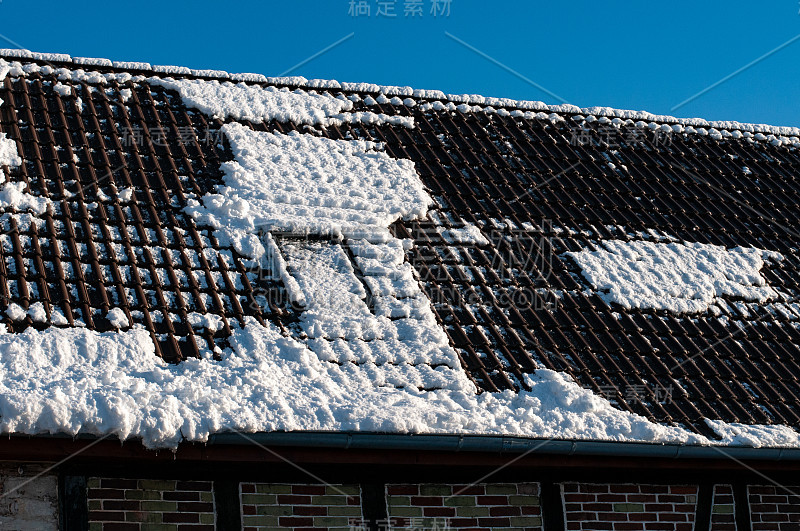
(361, 367)
(683, 278)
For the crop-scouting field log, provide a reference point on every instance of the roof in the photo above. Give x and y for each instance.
(329, 256)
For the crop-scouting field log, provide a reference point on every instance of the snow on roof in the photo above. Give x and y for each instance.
(257, 104)
(368, 352)
(468, 102)
(683, 278)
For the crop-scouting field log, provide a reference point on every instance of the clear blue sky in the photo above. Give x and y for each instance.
(631, 55)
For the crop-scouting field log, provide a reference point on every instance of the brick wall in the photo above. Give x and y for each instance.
(495, 506)
(723, 515)
(774, 508)
(155, 505)
(27, 501)
(299, 506)
(629, 507)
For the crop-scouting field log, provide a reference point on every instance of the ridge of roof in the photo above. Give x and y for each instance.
(774, 134)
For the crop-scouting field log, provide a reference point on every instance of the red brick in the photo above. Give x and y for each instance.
(429, 501)
(492, 500)
(494, 522)
(774, 498)
(761, 489)
(671, 498)
(106, 516)
(120, 505)
(248, 509)
(204, 486)
(178, 518)
(612, 517)
(655, 489)
(293, 499)
(113, 494)
(463, 522)
(673, 517)
(505, 511)
(115, 483)
(625, 526)
(617, 498)
(657, 507)
(581, 516)
(248, 487)
(402, 489)
(774, 517)
(763, 508)
(208, 527)
(438, 511)
(596, 507)
(631, 489)
(310, 511)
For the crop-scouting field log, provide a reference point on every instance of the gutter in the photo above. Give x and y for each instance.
(502, 445)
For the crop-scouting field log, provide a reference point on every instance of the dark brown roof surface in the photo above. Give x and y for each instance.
(508, 307)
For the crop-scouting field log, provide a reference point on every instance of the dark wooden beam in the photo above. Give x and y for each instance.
(373, 505)
(741, 504)
(87, 457)
(73, 508)
(551, 502)
(227, 504)
(705, 500)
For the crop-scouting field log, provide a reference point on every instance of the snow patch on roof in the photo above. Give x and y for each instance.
(8, 153)
(302, 183)
(78, 381)
(62, 90)
(255, 103)
(14, 197)
(468, 234)
(756, 436)
(778, 135)
(92, 61)
(683, 278)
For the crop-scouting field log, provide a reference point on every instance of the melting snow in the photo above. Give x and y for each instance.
(683, 278)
